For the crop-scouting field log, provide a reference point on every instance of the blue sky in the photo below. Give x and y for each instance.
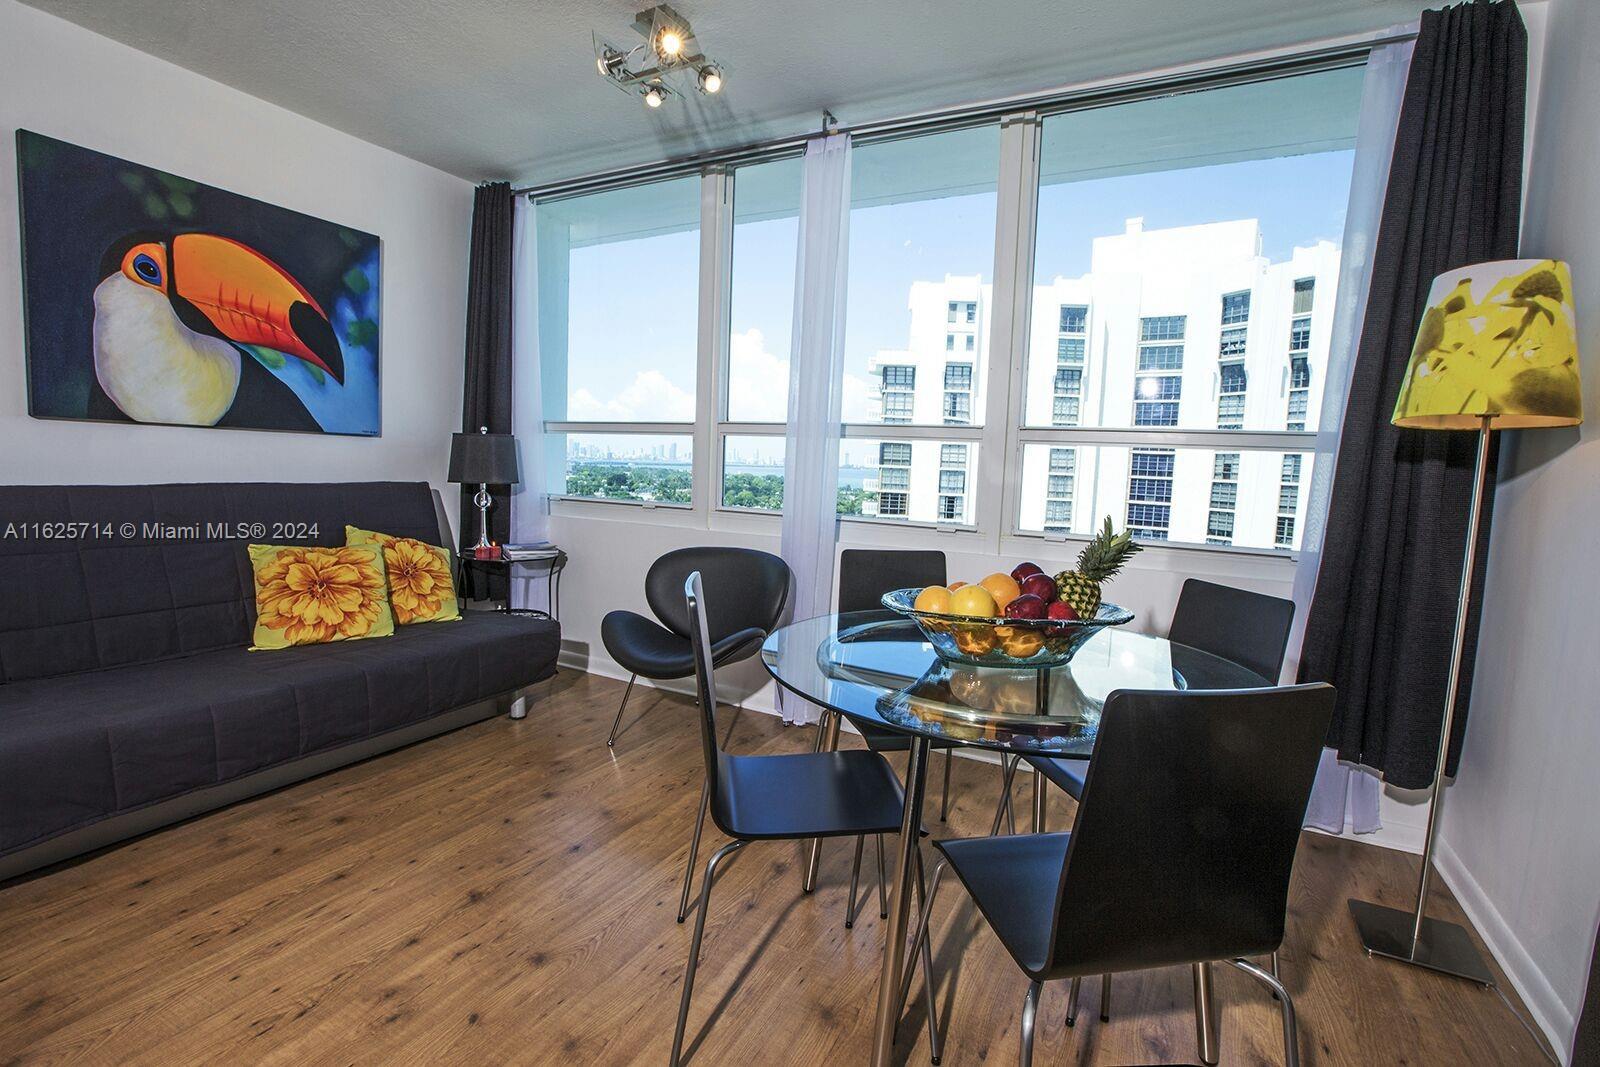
(633, 332)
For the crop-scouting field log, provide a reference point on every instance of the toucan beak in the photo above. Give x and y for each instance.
(251, 300)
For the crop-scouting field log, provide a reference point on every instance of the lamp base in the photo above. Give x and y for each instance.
(1444, 946)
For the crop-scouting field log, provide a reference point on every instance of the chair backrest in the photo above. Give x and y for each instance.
(705, 687)
(1251, 629)
(748, 588)
(1185, 837)
(865, 574)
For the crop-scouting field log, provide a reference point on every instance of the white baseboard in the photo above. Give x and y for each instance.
(1546, 1007)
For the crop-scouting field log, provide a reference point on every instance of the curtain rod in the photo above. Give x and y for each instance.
(1099, 95)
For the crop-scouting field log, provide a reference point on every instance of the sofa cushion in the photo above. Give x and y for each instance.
(421, 587)
(79, 748)
(101, 576)
(311, 596)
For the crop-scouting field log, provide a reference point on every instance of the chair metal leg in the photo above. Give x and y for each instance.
(921, 936)
(927, 965)
(1207, 1015)
(1291, 1036)
(611, 740)
(883, 887)
(1007, 771)
(694, 850)
(1011, 811)
(1041, 802)
(1072, 1001)
(827, 741)
(944, 800)
(855, 880)
(1030, 1011)
(694, 945)
(1105, 998)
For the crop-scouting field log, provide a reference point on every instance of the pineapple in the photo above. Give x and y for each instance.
(1100, 559)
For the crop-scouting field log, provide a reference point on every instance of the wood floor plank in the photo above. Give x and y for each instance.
(507, 894)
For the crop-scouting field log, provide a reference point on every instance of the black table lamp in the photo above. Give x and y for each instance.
(486, 459)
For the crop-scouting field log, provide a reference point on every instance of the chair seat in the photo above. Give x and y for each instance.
(1014, 881)
(1066, 774)
(651, 650)
(879, 739)
(814, 794)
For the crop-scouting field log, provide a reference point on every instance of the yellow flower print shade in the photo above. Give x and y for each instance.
(1498, 339)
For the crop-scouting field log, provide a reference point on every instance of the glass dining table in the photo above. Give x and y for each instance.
(875, 668)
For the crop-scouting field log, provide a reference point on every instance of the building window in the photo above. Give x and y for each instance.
(1235, 308)
(953, 456)
(1284, 537)
(1066, 406)
(899, 376)
(1074, 318)
(1224, 498)
(1304, 295)
(897, 407)
(971, 341)
(1162, 327)
(957, 409)
(965, 311)
(1300, 335)
(894, 478)
(1232, 343)
(958, 376)
(1288, 501)
(949, 508)
(894, 454)
(892, 503)
(949, 342)
(1063, 460)
(952, 481)
(1233, 378)
(1060, 484)
(1057, 514)
(1069, 350)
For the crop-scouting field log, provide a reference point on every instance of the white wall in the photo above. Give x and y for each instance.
(61, 80)
(1520, 842)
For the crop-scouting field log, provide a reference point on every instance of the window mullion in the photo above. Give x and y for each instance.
(1000, 458)
(716, 272)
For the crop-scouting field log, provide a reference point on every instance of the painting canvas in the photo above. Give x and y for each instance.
(152, 298)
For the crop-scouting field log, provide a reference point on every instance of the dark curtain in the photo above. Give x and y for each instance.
(486, 396)
(1586, 1042)
(1382, 617)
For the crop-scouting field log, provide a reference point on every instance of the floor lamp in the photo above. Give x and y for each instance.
(1497, 350)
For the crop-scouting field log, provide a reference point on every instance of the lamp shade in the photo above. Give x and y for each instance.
(1499, 339)
(489, 458)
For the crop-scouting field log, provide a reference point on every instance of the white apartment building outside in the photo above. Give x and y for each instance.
(1184, 328)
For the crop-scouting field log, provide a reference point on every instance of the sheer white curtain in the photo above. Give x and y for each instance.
(529, 510)
(1346, 794)
(816, 382)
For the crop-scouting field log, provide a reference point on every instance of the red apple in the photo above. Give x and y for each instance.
(1026, 606)
(1021, 571)
(1061, 611)
(1040, 585)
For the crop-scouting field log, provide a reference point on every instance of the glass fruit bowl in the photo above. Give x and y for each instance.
(991, 642)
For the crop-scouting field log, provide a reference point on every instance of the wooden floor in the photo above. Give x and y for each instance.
(506, 894)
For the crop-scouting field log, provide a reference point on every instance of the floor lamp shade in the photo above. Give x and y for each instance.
(1497, 349)
(1499, 340)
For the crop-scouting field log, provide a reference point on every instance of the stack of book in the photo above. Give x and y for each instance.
(532, 552)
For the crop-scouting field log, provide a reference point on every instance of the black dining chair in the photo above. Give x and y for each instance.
(782, 798)
(1181, 854)
(750, 590)
(1251, 629)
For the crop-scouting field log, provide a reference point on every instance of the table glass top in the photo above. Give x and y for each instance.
(875, 667)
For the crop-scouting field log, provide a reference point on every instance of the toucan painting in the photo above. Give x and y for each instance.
(154, 299)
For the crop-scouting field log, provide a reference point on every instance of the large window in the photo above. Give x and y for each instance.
(1157, 355)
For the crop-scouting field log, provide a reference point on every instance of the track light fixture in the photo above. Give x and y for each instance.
(669, 51)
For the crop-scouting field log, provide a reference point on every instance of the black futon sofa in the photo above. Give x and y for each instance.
(128, 698)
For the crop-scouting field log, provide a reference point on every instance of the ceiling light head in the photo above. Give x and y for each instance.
(610, 62)
(655, 94)
(670, 42)
(709, 80)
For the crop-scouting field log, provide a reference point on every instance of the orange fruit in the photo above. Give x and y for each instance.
(1003, 588)
(934, 599)
(973, 600)
(953, 586)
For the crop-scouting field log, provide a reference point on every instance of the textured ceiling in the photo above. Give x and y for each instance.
(497, 89)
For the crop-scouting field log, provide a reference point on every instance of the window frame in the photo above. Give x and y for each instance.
(996, 472)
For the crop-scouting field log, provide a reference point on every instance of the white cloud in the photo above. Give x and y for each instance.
(758, 381)
(652, 397)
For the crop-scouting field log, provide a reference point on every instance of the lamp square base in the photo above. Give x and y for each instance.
(1445, 947)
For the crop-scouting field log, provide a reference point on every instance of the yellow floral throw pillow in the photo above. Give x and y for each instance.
(311, 595)
(421, 587)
